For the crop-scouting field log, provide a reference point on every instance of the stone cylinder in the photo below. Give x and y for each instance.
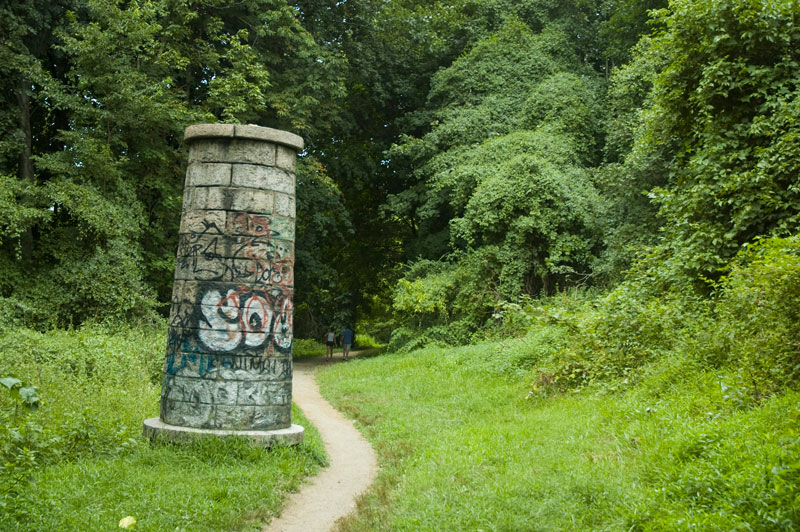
(228, 361)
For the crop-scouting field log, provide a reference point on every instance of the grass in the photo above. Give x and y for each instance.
(464, 446)
(90, 465)
(211, 485)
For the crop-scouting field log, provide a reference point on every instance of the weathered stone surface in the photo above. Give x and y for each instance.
(229, 199)
(228, 367)
(204, 222)
(228, 358)
(237, 417)
(292, 435)
(248, 271)
(199, 131)
(241, 223)
(258, 393)
(208, 175)
(251, 315)
(284, 205)
(262, 177)
(275, 136)
(221, 246)
(271, 416)
(193, 290)
(233, 223)
(232, 337)
(232, 151)
(248, 200)
(286, 158)
(187, 414)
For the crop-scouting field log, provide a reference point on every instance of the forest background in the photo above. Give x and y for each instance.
(614, 182)
(460, 155)
(463, 159)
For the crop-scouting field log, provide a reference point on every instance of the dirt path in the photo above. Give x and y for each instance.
(331, 494)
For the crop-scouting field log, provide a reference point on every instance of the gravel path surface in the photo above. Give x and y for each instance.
(331, 494)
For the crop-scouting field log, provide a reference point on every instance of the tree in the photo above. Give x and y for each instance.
(114, 92)
(504, 198)
(724, 117)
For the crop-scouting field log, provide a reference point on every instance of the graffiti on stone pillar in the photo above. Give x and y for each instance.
(242, 318)
(255, 258)
(228, 362)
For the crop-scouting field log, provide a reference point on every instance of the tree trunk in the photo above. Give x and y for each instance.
(25, 161)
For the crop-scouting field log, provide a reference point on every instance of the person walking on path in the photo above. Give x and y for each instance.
(330, 341)
(347, 341)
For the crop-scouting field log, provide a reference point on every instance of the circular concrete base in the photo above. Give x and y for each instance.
(154, 427)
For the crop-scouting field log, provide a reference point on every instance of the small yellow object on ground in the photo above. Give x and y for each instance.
(127, 522)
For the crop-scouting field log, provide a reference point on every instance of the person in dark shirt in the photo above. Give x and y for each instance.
(347, 341)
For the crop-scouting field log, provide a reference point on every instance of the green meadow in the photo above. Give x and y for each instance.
(464, 446)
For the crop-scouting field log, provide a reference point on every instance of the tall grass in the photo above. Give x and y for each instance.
(644, 409)
(80, 463)
(465, 447)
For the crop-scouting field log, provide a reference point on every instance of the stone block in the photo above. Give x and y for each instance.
(249, 368)
(203, 268)
(286, 158)
(250, 200)
(271, 417)
(262, 177)
(284, 205)
(228, 367)
(182, 314)
(234, 337)
(249, 247)
(250, 224)
(208, 175)
(201, 391)
(267, 134)
(204, 198)
(188, 414)
(177, 292)
(232, 151)
(251, 152)
(219, 198)
(209, 151)
(234, 417)
(203, 222)
(199, 131)
(189, 341)
(193, 291)
(261, 393)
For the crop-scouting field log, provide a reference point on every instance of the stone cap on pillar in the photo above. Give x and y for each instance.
(250, 132)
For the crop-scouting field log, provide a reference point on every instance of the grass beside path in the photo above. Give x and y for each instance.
(465, 447)
(90, 467)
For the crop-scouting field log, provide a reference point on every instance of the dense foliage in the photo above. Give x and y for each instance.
(613, 181)
(96, 98)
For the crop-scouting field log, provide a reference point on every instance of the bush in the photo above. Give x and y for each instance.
(759, 313)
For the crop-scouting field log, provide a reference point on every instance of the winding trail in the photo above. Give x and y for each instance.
(331, 494)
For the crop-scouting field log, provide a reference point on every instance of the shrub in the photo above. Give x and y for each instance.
(759, 313)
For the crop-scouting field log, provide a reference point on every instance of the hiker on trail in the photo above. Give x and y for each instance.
(347, 341)
(330, 341)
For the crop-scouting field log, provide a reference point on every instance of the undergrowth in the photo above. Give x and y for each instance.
(648, 408)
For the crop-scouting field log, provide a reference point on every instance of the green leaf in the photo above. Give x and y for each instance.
(10, 382)
(30, 397)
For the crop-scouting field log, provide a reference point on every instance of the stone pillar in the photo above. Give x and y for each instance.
(228, 367)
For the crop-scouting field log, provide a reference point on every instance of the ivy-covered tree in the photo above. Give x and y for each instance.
(504, 197)
(724, 120)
